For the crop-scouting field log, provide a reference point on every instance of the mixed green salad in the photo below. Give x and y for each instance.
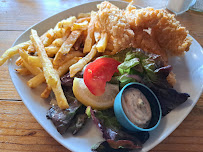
(132, 65)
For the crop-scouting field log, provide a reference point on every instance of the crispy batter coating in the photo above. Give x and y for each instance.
(145, 17)
(152, 30)
(145, 41)
(168, 37)
(112, 20)
(171, 36)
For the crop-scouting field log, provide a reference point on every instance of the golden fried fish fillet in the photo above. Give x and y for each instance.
(171, 36)
(166, 31)
(146, 42)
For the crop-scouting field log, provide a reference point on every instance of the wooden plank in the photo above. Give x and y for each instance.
(7, 38)
(25, 17)
(20, 131)
(7, 89)
(180, 147)
(188, 136)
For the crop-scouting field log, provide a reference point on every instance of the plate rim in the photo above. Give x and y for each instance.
(25, 103)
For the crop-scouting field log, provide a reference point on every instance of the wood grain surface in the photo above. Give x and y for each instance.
(19, 131)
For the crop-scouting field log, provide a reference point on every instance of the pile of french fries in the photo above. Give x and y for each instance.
(58, 51)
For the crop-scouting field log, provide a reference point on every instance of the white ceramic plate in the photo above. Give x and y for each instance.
(188, 70)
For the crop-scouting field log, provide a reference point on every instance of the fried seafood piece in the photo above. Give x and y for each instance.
(171, 36)
(145, 17)
(166, 31)
(146, 42)
(112, 20)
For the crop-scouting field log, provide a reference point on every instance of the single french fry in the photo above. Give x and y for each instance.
(58, 42)
(19, 61)
(33, 70)
(46, 42)
(80, 26)
(23, 71)
(66, 47)
(65, 67)
(35, 61)
(50, 74)
(23, 54)
(60, 97)
(60, 32)
(51, 50)
(80, 20)
(67, 23)
(89, 41)
(97, 36)
(45, 94)
(83, 15)
(49, 37)
(101, 45)
(71, 55)
(31, 49)
(50, 33)
(12, 51)
(36, 81)
(81, 63)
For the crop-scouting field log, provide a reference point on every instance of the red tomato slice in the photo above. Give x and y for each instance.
(97, 73)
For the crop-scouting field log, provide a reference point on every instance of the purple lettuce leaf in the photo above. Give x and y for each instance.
(169, 98)
(105, 147)
(66, 80)
(62, 118)
(78, 121)
(116, 136)
(154, 75)
(71, 119)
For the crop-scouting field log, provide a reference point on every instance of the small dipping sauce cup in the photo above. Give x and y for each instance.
(154, 104)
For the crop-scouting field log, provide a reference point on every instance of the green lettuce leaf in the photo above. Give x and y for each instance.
(127, 65)
(150, 69)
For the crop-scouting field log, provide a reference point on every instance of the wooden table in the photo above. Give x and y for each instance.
(19, 131)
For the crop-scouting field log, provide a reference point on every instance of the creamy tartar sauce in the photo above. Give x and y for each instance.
(136, 107)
